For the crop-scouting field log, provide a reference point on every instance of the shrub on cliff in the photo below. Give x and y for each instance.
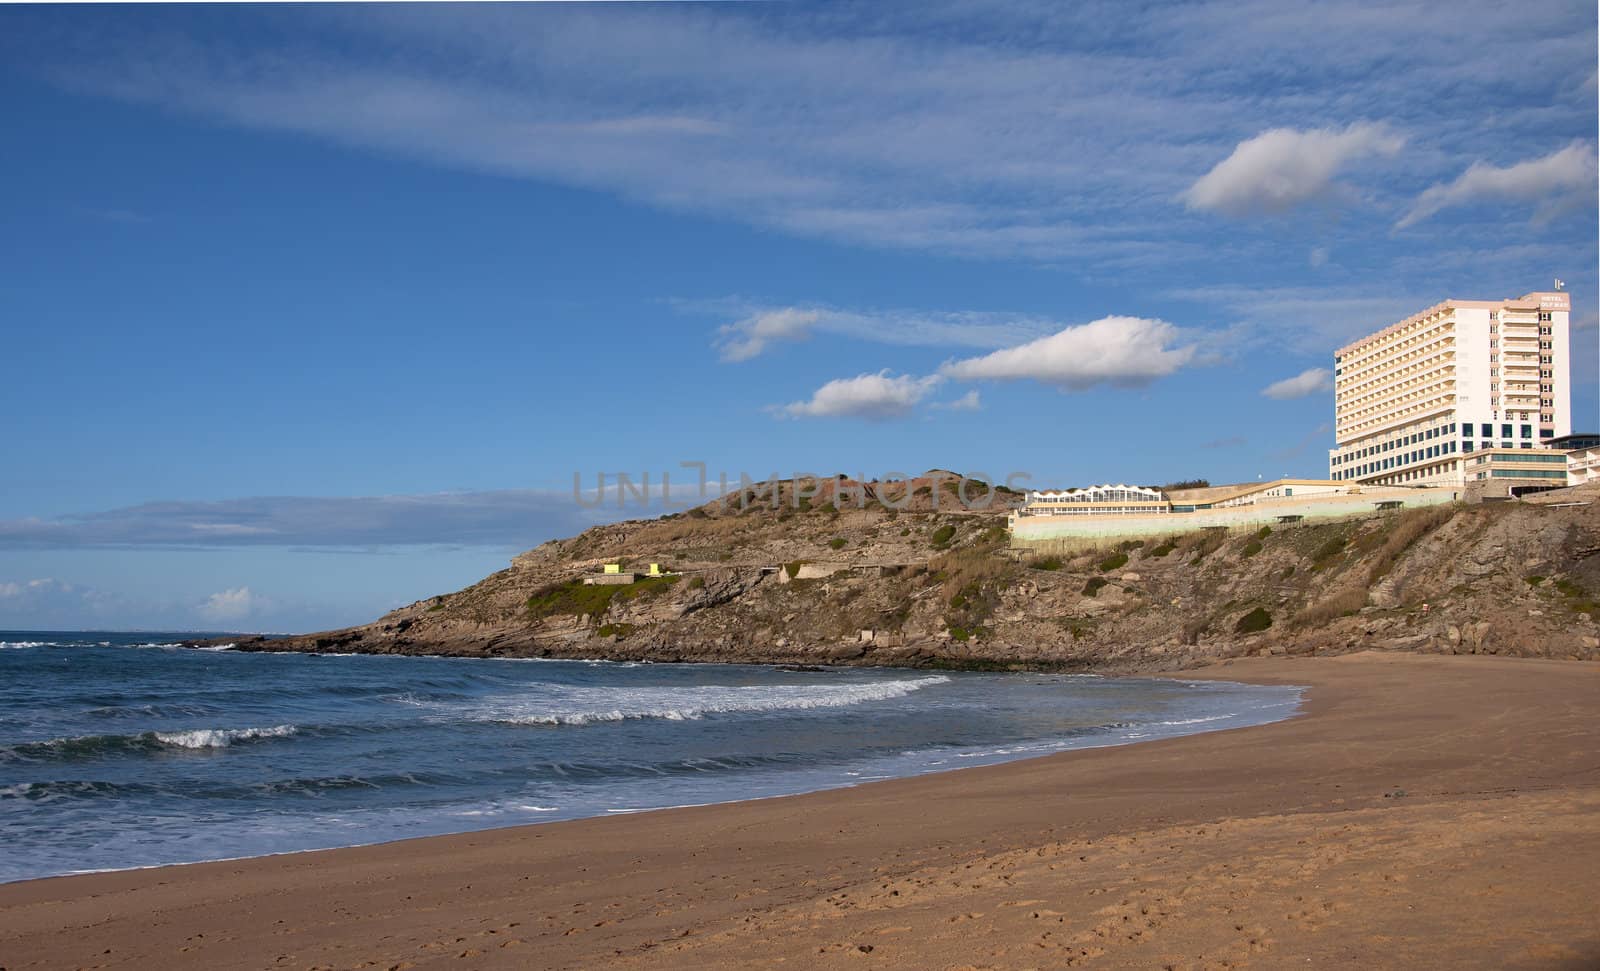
(1254, 622)
(1115, 561)
(943, 535)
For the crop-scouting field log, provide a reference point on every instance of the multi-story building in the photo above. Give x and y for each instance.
(1415, 401)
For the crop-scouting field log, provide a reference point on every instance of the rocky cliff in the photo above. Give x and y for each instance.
(830, 574)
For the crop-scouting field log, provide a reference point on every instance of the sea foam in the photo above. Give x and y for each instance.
(586, 706)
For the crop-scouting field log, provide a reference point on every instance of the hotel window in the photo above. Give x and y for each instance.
(1466, 446)
(1527, 431)
(1487, 430)
(1507, 445)
(1544, 315)
(1505, 431)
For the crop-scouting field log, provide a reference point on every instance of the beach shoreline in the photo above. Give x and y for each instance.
(1323, 836)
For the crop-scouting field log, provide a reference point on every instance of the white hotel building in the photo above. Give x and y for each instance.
(1419, 402)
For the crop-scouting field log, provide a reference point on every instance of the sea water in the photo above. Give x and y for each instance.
(124, 750)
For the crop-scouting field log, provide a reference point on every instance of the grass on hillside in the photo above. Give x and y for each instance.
(578, 598)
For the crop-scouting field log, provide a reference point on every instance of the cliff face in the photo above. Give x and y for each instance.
(831, 583)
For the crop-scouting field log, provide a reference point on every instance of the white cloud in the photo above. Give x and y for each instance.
(875, 397)
(759, 326)
(1281, 168)
(232, 604)
(1119, 351)
(967, 402)
(747, 338)
(1317, 380)
(969, 128)
(1318, 256)
(1565, 176)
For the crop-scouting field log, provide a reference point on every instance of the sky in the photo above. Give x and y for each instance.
(308, 312)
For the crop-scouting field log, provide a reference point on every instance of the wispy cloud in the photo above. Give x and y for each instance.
(1282, 168)
(1117, 351)
(971, 401)
(1566, 177)
(760, 327)
(748, 337)
(513, 519)
(873, 397)
(974, 128)
(1317, 380)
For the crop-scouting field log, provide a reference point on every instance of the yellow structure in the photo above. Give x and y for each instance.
(613, 568)
(655, 569)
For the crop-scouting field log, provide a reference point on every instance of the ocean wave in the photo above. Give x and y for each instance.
(588, 706)
(1196, 721)
(93, 746)
(41, 792)
(221, 737)
(18, 645)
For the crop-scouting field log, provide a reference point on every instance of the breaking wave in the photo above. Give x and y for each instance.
(94, 746)
(587, 706)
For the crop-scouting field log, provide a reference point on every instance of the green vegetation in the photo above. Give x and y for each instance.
(1092, 587)
(1113, 562)
(1250, 549)
(1328, 551)
(615, 630)
(697, 583)
(1254, 622)
(437, 606)
(1186, 484)
(1051, 563)
(960, 633)
(1264, 532)
(1579, 600)
(837, 543)
(793, 568)
(580, 598)
(1533, 579)
(1167, 546)
(943, 535)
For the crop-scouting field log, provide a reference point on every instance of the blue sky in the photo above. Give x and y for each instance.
(309, 312)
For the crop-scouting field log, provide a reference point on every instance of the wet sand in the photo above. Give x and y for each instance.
(1422, 812)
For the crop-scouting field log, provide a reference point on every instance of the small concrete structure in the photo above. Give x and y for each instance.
(610, 579)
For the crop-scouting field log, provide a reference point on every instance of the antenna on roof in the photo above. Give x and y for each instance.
(1560, 284)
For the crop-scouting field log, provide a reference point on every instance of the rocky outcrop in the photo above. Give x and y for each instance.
(941, 588)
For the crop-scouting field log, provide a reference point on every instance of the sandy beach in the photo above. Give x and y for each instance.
(1422, 811)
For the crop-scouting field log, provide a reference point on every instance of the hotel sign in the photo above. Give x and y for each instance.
(1555, 301)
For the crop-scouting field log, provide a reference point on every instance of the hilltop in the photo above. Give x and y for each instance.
(837, 571)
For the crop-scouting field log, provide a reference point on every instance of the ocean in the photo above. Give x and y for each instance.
(124, 750)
